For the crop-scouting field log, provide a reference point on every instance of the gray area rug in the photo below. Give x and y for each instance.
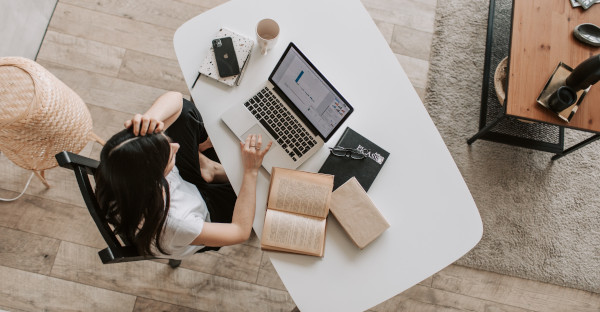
(541, 218)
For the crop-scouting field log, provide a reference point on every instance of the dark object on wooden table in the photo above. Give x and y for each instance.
(588, 34)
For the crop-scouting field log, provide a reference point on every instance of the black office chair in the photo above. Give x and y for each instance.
(116, 251)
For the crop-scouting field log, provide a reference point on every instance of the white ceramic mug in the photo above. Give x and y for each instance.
(267, 32)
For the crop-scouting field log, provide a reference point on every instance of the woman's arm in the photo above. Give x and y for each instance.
(163, 112)
(238, 231)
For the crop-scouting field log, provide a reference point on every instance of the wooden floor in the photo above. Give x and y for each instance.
(118, 56)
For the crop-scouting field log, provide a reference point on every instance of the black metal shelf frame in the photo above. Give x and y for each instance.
(494, 124)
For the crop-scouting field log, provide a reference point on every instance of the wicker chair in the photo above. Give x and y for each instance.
(39, 116)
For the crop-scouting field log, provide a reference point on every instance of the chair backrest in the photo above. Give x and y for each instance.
(84, 167)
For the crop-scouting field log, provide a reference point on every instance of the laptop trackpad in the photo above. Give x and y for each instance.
(256, 129)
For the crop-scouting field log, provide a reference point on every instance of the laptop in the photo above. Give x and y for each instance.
(297, 109)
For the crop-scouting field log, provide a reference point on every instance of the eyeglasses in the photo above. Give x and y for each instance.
(348, 152)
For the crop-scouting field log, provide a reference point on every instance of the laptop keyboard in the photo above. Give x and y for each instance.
(280, 123)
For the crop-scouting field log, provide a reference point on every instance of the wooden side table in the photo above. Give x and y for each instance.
(541, 37)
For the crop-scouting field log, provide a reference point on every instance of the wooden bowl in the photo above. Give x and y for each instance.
(501, 81)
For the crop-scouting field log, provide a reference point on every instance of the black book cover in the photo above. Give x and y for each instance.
(365, 170)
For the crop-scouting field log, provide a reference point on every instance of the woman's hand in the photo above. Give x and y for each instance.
(252, 155)
(143, 124)
(163, 112)
(238, 231)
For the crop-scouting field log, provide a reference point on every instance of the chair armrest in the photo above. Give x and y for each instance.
(67, 160)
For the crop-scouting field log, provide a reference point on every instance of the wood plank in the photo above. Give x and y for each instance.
(410, 42)
(428, 5)
(413, 14)
(158, 281)
(427, 282)
(253, 240)
(514, 291)
(239, 262)
(11, 309)
(149, 11)
(144, 304)
(386, 29)
(113, 30)
(33, 292)
(63, 188)
(107, 122)
(104, 91)
(82, 53)
(267, 276)
(442, 298)
(164, 73)
(26, 251)
(421, 92)
(409, 304)
(10, 212)
(416, 70)
(205, 3)
(57, 220)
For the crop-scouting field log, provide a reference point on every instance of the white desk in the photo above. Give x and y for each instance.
(433, 218)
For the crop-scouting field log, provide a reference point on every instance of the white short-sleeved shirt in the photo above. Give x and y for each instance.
(185, 220)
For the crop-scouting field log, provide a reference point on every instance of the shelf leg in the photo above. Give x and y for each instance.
(577, 146)
(484, 130)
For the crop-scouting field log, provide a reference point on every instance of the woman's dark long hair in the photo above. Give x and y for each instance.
(131, 187)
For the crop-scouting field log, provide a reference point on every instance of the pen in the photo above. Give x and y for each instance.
(195, 80)
(239, 78)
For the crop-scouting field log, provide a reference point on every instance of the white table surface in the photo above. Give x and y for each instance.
(420, 191)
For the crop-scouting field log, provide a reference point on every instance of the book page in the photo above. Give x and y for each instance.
(293, 232)
(300, 192)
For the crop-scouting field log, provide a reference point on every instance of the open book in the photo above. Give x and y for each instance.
(297, 210)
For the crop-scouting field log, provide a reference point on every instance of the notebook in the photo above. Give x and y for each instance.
(297, 109)
(243, 48)
(365, 170)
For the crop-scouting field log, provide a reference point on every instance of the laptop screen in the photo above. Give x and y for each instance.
(313, 96)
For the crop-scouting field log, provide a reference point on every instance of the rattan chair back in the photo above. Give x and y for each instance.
(40, 116)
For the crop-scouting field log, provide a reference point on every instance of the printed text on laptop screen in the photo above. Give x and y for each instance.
(311, 95)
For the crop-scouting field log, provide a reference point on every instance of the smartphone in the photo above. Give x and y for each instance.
(227, 63)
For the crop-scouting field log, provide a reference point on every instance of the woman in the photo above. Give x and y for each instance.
(160, 190)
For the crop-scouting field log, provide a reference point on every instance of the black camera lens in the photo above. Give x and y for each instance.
(561, 99)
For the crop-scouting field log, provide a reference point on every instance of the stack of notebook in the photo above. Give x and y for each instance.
(350, 203)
